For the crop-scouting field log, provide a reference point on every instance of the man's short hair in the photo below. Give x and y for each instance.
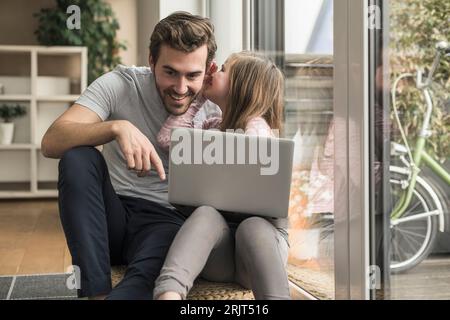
(185, 32)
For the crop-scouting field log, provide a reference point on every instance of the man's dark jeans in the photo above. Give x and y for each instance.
(103, 228)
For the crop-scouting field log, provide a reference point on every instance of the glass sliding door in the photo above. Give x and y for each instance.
(298, 36)
(410, 149)
(324, 56)
(336, 65)
(309, 111)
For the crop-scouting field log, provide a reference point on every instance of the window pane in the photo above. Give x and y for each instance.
(411, 162)
(308, 120)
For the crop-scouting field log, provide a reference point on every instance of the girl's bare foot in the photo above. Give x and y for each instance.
(169, 295)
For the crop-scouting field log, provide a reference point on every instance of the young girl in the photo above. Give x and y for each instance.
(251, 251)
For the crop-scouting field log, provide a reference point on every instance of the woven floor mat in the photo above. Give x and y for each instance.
(202, 290)
(319, 284)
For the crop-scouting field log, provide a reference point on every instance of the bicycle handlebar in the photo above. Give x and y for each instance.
(442, 48)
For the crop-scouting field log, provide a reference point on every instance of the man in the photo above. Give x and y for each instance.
(113, 206)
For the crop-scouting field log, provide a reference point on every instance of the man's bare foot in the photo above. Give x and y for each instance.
(170, 295)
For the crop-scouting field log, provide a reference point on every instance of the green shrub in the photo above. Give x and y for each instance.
(415, 28)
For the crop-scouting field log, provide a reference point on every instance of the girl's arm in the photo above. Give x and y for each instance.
(212, 123)
(181, 121)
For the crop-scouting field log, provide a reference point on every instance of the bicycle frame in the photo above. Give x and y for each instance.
(419, 156)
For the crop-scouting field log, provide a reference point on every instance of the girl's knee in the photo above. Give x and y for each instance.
(255, 233)
(253, 226)
(208, 215)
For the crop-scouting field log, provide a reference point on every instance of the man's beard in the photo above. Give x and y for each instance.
(172, 108)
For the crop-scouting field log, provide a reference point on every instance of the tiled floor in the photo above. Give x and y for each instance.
(32, 287)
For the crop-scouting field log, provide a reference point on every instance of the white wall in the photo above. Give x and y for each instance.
(148, 16)
(227, 19)
(126, 13)
(166, 7)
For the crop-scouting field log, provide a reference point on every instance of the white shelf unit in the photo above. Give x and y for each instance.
(23, 166)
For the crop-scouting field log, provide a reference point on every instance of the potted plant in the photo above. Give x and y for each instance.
(8, 112)
(98, 32)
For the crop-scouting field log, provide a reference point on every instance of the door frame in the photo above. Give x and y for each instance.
(351, 116)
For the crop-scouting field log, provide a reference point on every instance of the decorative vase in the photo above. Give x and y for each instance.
(6, 132)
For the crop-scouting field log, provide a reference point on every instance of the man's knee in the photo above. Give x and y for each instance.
(75, 161)
(79, 155)
(79, 168)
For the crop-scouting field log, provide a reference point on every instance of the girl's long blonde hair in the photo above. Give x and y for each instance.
(256, 90)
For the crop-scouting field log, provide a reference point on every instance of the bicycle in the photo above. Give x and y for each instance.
(418, 213)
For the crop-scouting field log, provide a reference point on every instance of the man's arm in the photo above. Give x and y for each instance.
(79, 126)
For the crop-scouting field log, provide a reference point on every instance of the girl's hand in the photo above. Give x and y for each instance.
(211, 69)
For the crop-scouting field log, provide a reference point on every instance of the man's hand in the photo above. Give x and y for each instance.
(139, 152)
(212, 68)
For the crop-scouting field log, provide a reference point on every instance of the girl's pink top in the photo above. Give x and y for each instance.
(256, 126)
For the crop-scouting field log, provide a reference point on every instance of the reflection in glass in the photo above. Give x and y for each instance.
(308, 120)
(416, 175)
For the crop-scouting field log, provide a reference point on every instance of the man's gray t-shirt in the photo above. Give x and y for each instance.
(130, 93)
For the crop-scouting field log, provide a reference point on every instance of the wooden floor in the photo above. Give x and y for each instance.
(31, 238)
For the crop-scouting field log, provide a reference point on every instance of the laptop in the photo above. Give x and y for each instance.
(232, 172)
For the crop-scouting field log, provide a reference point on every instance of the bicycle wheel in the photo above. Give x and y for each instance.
(412, 235)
